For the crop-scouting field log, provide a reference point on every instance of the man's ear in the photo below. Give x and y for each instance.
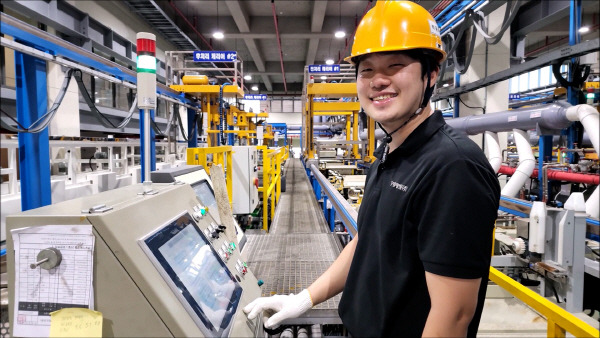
(434, 75)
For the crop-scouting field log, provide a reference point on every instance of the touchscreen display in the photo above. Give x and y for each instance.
(205, 193)
(197, 274)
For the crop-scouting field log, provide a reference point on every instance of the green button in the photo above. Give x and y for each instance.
(245, 265)
(203, 211)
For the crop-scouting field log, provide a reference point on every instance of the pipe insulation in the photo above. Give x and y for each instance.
(537, 227)
(590, 119)
(493, 148)
(551, 117)
(525, 168)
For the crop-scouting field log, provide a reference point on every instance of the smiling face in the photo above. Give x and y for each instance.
(390, 87)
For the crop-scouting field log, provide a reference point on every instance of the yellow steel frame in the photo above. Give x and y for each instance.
(311, 109)
(221, 155)
(559, 320)
(272, 159)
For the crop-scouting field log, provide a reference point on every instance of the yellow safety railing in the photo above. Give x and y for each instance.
(559, 320)
(272, 159)
(221, 155)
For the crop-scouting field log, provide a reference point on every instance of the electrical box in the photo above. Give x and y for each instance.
(158, 265)
(245, 179)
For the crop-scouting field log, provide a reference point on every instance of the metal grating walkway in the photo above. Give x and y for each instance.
(299, 247)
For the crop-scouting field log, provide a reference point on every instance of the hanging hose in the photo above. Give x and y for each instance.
(41, 123)
(509, 16)
(99, 116)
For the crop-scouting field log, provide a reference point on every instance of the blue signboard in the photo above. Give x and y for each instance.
(514, 96)
(324, 69)
(260, 97)
(210, 56)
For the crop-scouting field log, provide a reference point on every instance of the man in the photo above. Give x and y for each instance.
(420, 262)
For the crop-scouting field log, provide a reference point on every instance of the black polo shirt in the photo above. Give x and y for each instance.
(430, 207)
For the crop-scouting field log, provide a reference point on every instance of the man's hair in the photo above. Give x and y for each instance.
(426, 57)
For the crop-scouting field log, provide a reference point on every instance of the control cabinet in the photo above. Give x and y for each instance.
(245, 179)
(162, 265)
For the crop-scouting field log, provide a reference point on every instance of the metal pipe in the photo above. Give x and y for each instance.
(558, 175)
(551, 118)
(279, 45)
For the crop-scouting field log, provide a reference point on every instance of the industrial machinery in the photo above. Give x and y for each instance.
(245, 179)
(196, 176)
(147, 256)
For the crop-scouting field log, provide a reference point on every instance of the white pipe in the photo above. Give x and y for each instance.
(590, 119)
(591, 205)
(493, 148)
(537, 227)
(526, 165)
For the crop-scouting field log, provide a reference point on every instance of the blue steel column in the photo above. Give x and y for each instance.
(457, 97)
(574, 38)
(192, 130)
(143, 146)
(34, 149)
(544, 154)
(152, 144)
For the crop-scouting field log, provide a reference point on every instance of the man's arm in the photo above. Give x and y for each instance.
(453, 303)
(332, 281)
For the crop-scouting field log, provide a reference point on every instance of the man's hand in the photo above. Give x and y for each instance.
(285, 307)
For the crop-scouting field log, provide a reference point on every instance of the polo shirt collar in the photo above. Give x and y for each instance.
(419, 136)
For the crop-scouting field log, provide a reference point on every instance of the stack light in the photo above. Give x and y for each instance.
(146, 70)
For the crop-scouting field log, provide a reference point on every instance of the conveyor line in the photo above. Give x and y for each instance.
(299, 247)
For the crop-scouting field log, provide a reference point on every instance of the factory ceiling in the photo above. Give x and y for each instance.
(276, 39)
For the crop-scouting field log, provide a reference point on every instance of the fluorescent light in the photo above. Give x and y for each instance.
(329, 61)
(446, 85)
(584, 29)
(218, 35)
(248, 77)
(323, 77)
(255, 87)
(340, 34)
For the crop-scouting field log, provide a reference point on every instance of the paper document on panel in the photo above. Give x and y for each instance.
(40, 291)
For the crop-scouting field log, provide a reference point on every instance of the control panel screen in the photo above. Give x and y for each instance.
(205, 193)
(196, 274)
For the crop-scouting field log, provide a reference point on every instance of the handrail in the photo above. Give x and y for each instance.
(222, 156)
(272, 159)
(559, 320)
(346, 212)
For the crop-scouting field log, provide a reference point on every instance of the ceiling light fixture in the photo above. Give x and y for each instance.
(218, 34)
(329, 61)
(584, 29)
(340, 34)
(248, 77)
(255, 88)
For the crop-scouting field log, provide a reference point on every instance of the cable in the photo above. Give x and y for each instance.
(90, 161)
(103, 119)
(509, 15)
(461, 101)
(593, 251)
(43, 121)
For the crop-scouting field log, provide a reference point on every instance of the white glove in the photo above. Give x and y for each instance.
(284, 306)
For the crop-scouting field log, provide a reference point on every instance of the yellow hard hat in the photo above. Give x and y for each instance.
(395, 26)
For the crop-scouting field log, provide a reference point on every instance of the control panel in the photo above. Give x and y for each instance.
(162, 265)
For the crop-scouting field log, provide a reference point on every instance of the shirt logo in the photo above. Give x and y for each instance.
(399, 186)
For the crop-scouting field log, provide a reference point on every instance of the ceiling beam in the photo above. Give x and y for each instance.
(316, 25)
(242, 22)
(318, 15)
